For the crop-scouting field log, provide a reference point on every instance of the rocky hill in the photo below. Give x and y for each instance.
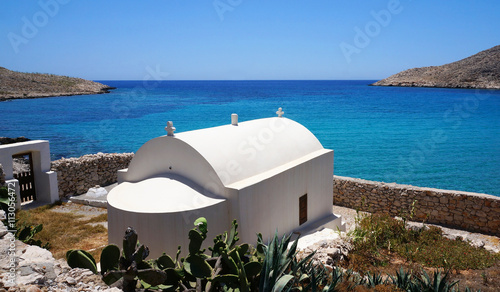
(15, 85)
(481, 70)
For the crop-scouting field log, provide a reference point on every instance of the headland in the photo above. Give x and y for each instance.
(17, 85)
(480, 71)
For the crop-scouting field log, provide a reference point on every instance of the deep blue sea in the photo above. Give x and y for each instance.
(432, 137)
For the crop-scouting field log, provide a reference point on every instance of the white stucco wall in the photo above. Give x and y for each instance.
(39, 148)
(270, 202)
(45, 179)
(163, 232)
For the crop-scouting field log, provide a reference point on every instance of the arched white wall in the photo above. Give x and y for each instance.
(251, 148)
(169, 156)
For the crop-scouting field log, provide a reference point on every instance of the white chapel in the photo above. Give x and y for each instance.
(269, 174)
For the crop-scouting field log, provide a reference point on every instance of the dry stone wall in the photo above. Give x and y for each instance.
(76, 175)
(462, 210)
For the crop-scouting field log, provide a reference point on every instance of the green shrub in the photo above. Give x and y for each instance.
(426, 246)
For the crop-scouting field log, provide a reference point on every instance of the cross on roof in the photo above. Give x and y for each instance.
(170, 128)
(280, 112)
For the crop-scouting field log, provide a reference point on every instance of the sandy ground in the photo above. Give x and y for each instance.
(86, 211)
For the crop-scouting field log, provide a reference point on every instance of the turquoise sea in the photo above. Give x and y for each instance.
(432, 137)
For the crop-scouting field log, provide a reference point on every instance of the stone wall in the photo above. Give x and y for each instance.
(461, 210)
(76, 175)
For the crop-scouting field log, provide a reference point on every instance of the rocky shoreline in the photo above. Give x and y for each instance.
(480, 71)
(54, 94)
(17, 85)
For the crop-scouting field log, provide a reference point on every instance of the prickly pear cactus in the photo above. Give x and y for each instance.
(110, 258)
(81, 259)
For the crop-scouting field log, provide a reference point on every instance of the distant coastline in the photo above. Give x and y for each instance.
(18, 85)
(480, 71)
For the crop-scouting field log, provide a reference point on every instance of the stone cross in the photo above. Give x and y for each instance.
(280, 112)
(170, 128)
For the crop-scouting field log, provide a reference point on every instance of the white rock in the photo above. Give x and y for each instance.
(71, 280)
(96, 192)
(332, 252)
(33, 289)
(30, 278)
(322, 238)
(36, 254)
(478, 243)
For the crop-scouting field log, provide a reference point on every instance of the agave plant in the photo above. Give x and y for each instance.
(275, 274)
(373, 280)
(436, 283)
(335, 279)
(402, 280)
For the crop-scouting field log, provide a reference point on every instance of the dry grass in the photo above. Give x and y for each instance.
(66, 230)
(97, 219)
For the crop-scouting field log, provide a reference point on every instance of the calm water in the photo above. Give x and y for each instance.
(443, 138)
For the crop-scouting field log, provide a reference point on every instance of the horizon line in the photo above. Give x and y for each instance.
(237, 80)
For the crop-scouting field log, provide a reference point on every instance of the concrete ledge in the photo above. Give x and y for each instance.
(96, 202)
(331, 221)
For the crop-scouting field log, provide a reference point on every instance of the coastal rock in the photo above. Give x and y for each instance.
(33, 288)
(481, 71)
(17, 85)
(330, 246)
(71, 280)
(36, 269)
(36, 260)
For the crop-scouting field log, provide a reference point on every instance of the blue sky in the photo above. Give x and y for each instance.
(241, 39)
